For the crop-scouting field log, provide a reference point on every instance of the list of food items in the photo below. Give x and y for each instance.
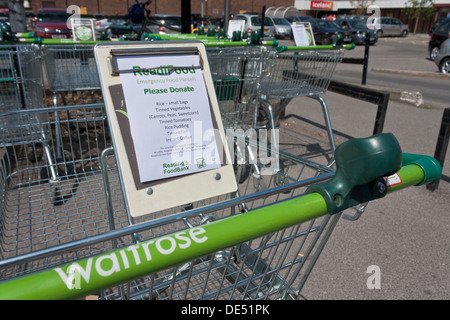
(169, 114)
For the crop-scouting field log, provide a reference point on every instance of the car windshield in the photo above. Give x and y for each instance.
(167, 21)
(53, 16)
(328, 24)
(256, 21)
(173, 21)
(444, 26)
(358, 24)
(281, 21)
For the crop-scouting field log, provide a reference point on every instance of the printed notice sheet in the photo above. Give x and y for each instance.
(303, 35)
(169, 115)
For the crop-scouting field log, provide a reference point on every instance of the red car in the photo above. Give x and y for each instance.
(52, 23)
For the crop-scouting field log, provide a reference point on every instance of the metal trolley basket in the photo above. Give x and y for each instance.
(291, 72)
(236, 73)
(21, 77)
(241, 245)
(70, 67)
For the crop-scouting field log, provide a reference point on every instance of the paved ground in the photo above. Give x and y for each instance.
(405, 234)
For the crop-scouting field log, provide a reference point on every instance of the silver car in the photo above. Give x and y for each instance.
(386, 26)
(253, 22)
(283, 29)
(442, 59)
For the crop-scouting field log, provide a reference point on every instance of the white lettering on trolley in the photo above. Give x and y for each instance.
(108, 264)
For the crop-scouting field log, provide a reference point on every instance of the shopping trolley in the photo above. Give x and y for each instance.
(237, 72)
(39, 211)
(22, 90)
(237, 245)
(248, 77)
(291, 72)
(259, 245)
(69, 68)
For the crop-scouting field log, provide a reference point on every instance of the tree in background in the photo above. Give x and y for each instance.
(361, 5)
(415, 9)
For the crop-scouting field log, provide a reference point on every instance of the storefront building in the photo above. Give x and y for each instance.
(216, 8)
(387, 8)
(442, 9)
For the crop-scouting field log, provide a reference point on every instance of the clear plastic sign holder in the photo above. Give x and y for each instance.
(303, 34)
(235, 25)
(83, 29)
(160, 96)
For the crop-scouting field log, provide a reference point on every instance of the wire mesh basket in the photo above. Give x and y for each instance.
(21, 77)
(70, 67)
(236, 73)
(297, 73)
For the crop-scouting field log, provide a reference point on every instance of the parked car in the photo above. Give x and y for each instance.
(110, 24)
(439, 35)
(253, 22)
(283, 28)
(293, 19)
(325, 30)
(52, 23)
(362, 18)
(436, 24)
(358, 29)
(386, 26)
(164, 24)
(442, 58)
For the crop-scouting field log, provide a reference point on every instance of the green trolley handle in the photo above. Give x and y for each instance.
(350, 46)
(208, 41)
(78, 279)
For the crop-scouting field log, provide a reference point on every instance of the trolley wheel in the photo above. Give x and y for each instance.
(34, 153)
(279, 180)
(63, 170)
(241, 171)
(258, 183)
(263, 115)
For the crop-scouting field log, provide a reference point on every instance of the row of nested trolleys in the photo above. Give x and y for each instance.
(59, 182)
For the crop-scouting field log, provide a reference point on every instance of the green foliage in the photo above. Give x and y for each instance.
(419, 8)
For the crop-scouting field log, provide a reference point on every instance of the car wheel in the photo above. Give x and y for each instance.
(444, 67)
(380, 33)
(404, 33)
(433, 53)
(325, 41)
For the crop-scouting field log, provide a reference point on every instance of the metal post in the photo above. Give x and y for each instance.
(227, 15)
(366, 58)
(442, 144)
(262, 21)
(186, 16)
